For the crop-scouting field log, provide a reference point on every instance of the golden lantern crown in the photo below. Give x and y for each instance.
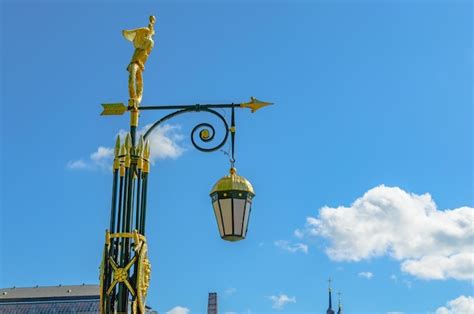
(234, 182)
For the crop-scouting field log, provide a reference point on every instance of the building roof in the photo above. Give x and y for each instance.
(83, 307)
(82, 299)
(57, 292)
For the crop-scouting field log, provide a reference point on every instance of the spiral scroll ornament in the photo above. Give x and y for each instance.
(203, 132)
(206, 134)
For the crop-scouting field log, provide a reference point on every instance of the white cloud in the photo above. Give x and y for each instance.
(76, 164)
(102, 153)
(101, 159)
(366, 274)
(461, 305)
(429, 243)
(164, 143)
(457, 266)
(293, 248)
(178, 310)
(281, 300)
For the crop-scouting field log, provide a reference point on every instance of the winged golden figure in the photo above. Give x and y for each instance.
(143, 43)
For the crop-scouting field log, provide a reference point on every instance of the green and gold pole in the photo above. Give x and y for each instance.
(139, 156)
(113, 213)
(146, 170)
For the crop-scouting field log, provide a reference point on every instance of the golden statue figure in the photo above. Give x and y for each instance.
(143, 43)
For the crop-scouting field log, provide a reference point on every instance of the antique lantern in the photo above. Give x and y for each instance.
(232, 202)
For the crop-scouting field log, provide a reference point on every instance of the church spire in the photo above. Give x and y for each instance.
(339, 310)
(330, 311)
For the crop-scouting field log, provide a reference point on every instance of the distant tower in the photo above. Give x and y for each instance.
(330, 311)
(212, 303)
(339, 310)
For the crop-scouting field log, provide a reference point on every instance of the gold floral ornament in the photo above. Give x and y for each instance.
(143, 43)
(143, 277)
(138, 286)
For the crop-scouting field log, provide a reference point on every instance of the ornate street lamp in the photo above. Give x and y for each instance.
(125, 268)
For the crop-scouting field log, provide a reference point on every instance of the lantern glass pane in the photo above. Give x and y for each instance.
(226, 210)
(239, 207)
(217, 212)
(248, 208)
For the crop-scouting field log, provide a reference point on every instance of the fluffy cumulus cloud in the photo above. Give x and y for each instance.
(165, 142)
(290, 247)
(279, 301)
(102, 154)
(178, 310)
(461, 305)
(430, 243)
(101, 159)
(366, 274)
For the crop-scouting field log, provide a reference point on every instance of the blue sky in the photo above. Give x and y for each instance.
(363, 169)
